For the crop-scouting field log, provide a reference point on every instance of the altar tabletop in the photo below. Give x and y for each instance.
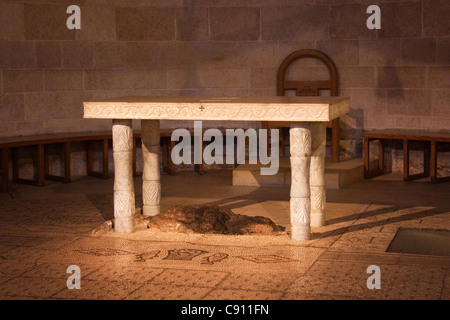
(219, 108)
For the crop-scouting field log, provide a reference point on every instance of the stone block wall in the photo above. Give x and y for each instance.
(397, 77)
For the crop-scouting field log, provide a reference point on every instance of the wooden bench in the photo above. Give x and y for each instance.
(168, 145)
(431, 140)
(41, 143)
(42, 163)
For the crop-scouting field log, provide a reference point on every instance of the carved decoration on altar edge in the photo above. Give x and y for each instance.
(186, 112)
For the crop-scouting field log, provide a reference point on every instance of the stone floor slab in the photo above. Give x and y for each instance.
(235, 294)
(98, 290)
(38, 288)
(158, 291)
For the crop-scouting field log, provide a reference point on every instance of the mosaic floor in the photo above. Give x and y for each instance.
(43, 231)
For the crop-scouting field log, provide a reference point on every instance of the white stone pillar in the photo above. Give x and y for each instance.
(317, 173)
(124, 203)
(151, 179)
(300, 203)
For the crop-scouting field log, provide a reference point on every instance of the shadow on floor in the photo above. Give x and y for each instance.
(377, 223)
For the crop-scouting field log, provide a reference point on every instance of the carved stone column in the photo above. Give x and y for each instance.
(300, 203)
(151, 180)
(317, 173)
(124, 204)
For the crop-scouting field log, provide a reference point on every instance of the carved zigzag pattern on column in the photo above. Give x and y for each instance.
(317, 198)
(151, 192)
(122, 139)
(123, 204)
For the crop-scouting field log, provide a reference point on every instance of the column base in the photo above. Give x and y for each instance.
(125, 225)
(151, 210)
(317, 220)
(300, 233)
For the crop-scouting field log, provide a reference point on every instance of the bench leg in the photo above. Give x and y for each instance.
(134, 158)
(66, 178)
(104, 174)
(5, 169)
(265, 125)
(89, 158)
(15, 168)
(172, 166)
(405, 160)
(281, 143)
(167, 146)
(67, 169)
(40, 164)
(165, 159)
(426, 160)
(433, 165)
(40, 167)
(366, 155)
(426, 163)
(335, 147)
(433, 162)
(47, 162)
(15, 164)
(380, 156)
(199, 169)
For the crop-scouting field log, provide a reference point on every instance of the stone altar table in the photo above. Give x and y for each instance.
(307, 117)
